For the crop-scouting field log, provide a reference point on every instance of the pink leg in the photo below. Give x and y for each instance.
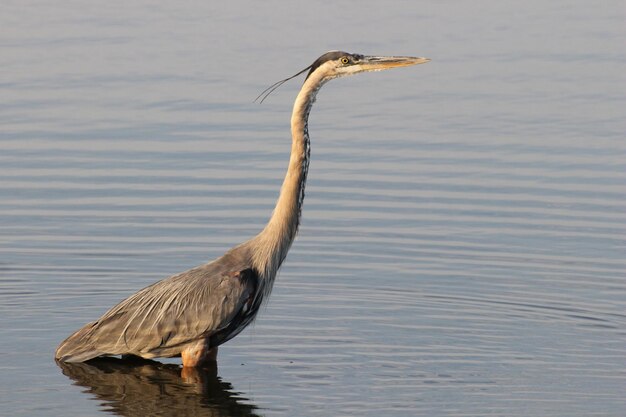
(198, 354)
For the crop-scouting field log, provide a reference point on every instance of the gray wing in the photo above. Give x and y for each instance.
(161, 319)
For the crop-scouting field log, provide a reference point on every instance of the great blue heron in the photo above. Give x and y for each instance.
(190, 314)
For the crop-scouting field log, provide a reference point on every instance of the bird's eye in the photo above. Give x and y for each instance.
(344, 60)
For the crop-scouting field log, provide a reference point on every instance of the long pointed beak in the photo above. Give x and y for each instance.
(379, 63)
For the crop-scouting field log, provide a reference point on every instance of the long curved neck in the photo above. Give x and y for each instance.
(275, 240)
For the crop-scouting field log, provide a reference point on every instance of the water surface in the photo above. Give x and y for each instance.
(462, 249)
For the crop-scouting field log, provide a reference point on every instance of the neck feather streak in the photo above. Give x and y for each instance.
(275, 240)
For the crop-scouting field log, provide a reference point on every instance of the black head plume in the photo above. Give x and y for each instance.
(269, 90)
(328, 56)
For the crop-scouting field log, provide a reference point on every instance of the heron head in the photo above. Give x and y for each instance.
(335, 64)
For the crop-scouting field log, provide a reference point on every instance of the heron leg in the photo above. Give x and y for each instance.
(198, 354)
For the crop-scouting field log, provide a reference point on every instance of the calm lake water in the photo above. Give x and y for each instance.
(463, 244)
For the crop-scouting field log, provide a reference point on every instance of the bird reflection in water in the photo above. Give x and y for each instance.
(148, 388)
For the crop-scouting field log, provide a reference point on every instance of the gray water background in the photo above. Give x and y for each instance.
(463, 243)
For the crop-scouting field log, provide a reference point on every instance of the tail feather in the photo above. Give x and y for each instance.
(78, 347)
